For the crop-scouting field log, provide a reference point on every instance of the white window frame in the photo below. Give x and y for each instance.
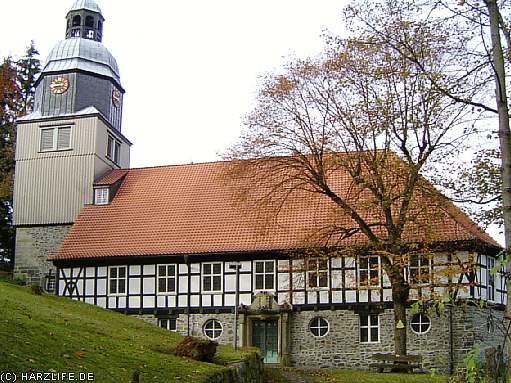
(313, 268)
(165, 323)
(264, 273)
(423, 263)
(319, 327)
(117, 293)
(167, 278)
(101, 196)
(367, 269)
(215, 328)
(421, 316)
(211, 276)
(368, 328)
(113, 151)
(55, 138)
(490, 287)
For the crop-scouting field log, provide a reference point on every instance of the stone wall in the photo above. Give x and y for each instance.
(33, 247)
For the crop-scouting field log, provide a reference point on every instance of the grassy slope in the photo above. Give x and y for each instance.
(48, 333)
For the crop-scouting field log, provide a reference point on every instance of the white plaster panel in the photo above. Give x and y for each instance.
(135, 270)
(375, 296)
(283, 281)
(323, 296)
(350, 278)
(298, 280)
(230, 299)
(79, 285)
(299, 298)
(206, 300)
(183, 268)
(135, 285)
(101, 286)
(66, 272)
(89, 301)
(230, 282)
(336, 279)
(246, 282)
(217, 300)
(336, 296)
(112, 303)
(183, 284)
(312, 297)
(246, 266)
(387, 295)
(89, 287)
(195, 268)
(148, 302)
(336, 262)
(171, 301)
(122, 302)
(351, 296)
(282, 297)
(161, 301)
(363, 296)
(61, 287)
(283, 265)
(195, 284)
(101, 302)
(182, 301)
(194, 301)
(349, 262)
(246, 299)
(149, 269)
(90, 272)
(134, 302)
(102, 271)
(149, 285)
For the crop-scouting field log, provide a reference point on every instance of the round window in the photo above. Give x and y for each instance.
(420, 324)
(213, 329)
(319, 327)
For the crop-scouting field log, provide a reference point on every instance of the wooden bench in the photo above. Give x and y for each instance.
(394, 362)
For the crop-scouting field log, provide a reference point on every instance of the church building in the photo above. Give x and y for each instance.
(170, 244)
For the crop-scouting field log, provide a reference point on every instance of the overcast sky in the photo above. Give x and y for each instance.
(190, 67)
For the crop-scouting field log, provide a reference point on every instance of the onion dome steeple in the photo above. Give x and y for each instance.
(85, 20)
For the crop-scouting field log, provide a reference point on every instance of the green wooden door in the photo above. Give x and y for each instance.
(265, 335)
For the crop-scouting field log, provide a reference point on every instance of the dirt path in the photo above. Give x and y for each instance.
(288, 375)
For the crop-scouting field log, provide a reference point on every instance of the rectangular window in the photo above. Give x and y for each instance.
(369, 271)
(168, 324)
(212, 277)
(101, 196)
(490, 279)
(264, 275)
(113, 149)
(419, 269)
(53, 139)
(317, 273)
(117, 279)
(167, 278)
(369, 328)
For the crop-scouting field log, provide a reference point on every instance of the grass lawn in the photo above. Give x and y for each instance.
(53, 334)
(287, 375)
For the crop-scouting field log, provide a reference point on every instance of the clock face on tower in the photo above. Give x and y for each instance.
(59, 85)
(116, 98)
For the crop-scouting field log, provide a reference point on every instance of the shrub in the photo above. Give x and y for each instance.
(198, 349)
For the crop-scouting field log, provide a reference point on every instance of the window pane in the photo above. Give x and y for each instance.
(363, 320)
(113, 286)
(363, 335)
(110, 147)
(315, 331)
(207, 283)
(374, 334)
(415, 327)
(64, 138)
(259, 267)
(259, 282)
(171, 284)
(217, 268)
(163, 323)
(374, 277)
(172, 324)
(269, 267)
(162, 285)
(323, 280)
(171, 270)
(47, 139)
(323, 265)
(313, 280)
(117, 152)
(217, 283)
(207, 268)
(161, 271)
(122, 272)
(363, 277)
(122, 286)
(113, 272)
(268, 281)
(374, 320)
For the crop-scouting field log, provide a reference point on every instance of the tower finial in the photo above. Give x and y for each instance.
(84, 20)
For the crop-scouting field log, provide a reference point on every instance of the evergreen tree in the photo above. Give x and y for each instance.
(28, 68)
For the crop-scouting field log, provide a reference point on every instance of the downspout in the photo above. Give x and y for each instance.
(187, 261)
(451, 342)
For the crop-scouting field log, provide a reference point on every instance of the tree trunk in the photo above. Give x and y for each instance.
(504, 137)
(400, 295)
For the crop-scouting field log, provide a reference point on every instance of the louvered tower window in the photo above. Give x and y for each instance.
(57, 138)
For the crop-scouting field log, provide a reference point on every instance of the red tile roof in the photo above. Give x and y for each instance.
(111, 177)
(189, 209)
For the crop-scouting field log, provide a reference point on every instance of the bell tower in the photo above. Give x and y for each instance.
(72, 138)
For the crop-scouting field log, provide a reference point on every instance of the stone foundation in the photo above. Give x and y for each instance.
(33, 247)
(341, 347)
